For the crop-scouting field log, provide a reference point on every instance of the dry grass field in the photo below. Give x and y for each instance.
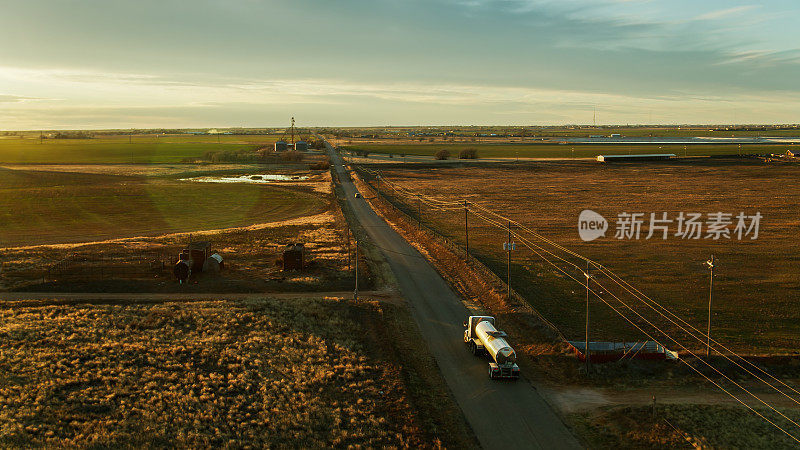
(250, 373)
(683, 426)
(508, 133)
(757, 280)
(134, 265)
(527, 149)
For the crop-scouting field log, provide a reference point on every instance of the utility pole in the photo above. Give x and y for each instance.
(586, 353)
(466, 230)
(348, 249)
(355, 292)
(292, 133)
(508, 247)
(710, 264)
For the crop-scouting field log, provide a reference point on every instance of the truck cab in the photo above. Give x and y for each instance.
(471, 338)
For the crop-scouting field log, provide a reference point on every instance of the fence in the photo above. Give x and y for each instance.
(77, 267)
(475, 264)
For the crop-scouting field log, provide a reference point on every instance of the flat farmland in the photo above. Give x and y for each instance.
(311, 373)
(43, 207)
(549, 150)
(756, 282)
(114, 149)
(503, 132)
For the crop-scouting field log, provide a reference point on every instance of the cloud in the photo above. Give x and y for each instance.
(723, 13)
(145, 100)
(382, 59)
(5, 98)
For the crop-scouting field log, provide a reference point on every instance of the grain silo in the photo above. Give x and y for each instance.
(301, 146)
(281, 146)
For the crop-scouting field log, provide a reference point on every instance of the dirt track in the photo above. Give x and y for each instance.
(45, 298)
(502, 414)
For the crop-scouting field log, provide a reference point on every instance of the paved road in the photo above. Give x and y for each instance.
(502, 414)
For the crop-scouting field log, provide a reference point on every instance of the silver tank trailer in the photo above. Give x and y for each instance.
(495, 343)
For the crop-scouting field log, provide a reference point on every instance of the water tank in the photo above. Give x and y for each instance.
(213, 264)
(293, 257)
(495, 343)
(182, 270)
(301, 146)
(281, 146)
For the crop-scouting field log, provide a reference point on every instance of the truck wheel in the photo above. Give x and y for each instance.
(491, 374)
(473, 348)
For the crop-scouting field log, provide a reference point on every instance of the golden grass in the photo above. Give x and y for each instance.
(755, 279)
(684, 426)
(209, 374)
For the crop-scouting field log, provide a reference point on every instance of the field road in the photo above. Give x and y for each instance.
(503, 414)
(55, 298)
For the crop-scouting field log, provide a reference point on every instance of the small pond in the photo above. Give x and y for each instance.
(252, 179)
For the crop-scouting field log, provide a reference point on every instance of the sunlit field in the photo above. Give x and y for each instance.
(547, 150)
(115, 149)
(39, 207)
(756, 280)
(499, 132)
(254, 373)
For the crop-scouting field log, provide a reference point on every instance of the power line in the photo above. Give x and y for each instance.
(439, 204)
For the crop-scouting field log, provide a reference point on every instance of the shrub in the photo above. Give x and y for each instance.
(468, 153)
(241, 155)
(292, 156)
(316, 144)
(324, 164)
(442, 154)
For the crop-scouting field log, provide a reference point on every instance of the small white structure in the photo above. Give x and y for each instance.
(645, 157)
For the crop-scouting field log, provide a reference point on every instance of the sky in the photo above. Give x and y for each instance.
(93, 64)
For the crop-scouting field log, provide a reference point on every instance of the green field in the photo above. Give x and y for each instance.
(563, 151)
(116, 149)
(38, 207)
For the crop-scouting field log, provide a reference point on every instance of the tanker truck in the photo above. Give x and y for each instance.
(481, 337)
